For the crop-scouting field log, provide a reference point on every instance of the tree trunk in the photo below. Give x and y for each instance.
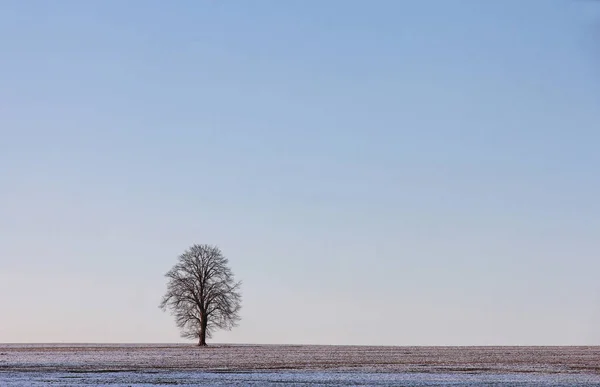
(202, 333)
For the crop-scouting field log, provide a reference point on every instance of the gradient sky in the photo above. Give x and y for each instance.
(377, 172)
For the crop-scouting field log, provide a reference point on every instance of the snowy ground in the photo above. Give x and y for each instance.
(166, 365)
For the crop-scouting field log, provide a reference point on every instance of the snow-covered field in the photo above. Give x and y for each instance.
(247, 365)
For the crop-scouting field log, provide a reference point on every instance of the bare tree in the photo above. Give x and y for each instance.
(202, 294)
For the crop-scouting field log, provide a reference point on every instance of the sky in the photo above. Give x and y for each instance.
(377, 172)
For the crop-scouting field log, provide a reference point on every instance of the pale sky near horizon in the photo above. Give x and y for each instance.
(377, 172)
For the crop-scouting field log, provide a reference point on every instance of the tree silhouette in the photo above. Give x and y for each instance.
(201, 293)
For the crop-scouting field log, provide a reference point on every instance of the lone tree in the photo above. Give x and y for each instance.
(202, 294)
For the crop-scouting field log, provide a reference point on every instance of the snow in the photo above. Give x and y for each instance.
(246, 365)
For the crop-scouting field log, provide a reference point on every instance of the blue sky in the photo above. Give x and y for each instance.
(377, 172)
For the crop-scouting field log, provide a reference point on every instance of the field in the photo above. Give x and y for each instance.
(261, 365)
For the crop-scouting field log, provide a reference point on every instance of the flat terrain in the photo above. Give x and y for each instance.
(125, 365)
